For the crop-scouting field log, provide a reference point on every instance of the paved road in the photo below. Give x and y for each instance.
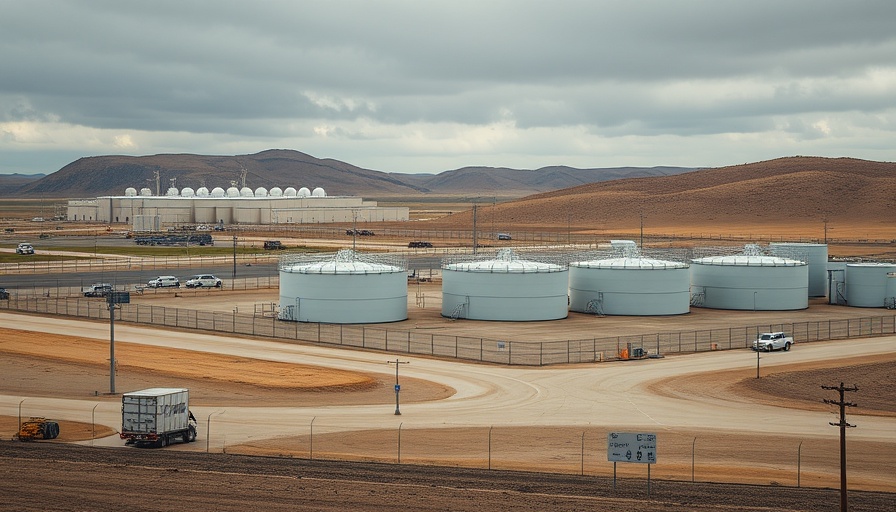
(611, 394)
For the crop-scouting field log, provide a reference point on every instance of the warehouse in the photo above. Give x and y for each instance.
(231, 206)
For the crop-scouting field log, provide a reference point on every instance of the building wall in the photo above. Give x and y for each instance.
(175, 210)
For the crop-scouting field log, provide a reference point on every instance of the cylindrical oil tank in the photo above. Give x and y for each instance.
(343, 289)
(816, 255)
(505, 289)
(629, 286)
(866, 284)
(890, 296)
(750, 282)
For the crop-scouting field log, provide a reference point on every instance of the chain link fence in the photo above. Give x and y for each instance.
(265, 323)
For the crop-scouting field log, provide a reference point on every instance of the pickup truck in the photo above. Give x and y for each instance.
(769, 341)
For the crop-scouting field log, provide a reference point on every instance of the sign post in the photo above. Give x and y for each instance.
(639, 448)
(114, 298)
(397, 386)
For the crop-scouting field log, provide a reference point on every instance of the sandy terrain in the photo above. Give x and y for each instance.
(72, 370)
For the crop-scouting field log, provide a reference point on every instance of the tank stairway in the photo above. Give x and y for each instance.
(697, 299)
(458, 310)
(595, 307)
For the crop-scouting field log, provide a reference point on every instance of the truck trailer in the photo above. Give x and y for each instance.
(157, 416)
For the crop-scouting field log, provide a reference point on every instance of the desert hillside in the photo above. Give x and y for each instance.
(112, 174)
(807, 191)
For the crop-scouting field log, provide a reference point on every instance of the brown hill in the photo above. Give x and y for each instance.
(11, 183)
(807, 191)
(111, 175)
(506, 182)
(106, 175)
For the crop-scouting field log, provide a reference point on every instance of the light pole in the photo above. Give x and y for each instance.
(93, 423)
(397, 386)
(111, 300)
(208, 428)
(234, 258)
(311, 440)
(20, 413)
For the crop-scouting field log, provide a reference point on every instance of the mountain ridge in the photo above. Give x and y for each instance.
(112, 174)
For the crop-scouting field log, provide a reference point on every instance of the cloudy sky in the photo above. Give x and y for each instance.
(426, 86)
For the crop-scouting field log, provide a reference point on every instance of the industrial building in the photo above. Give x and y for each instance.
(147, 212)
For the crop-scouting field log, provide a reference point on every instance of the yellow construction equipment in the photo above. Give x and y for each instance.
(37, 428)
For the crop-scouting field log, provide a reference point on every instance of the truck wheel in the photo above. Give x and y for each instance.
(192, 433)
(786, 347)
(185, 437)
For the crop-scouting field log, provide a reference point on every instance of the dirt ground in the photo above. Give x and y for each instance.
(70, 370)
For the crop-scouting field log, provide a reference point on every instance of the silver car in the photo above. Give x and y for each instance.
(203, 281)
(163, 281)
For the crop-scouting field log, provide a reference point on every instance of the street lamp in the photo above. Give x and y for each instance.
(93, 423)
(208, 428)
(20, 413)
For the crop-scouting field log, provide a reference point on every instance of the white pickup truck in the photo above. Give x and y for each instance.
(769, 341)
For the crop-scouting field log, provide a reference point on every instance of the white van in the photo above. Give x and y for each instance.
(163, 281)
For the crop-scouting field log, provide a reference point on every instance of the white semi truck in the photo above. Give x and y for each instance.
(157, 416)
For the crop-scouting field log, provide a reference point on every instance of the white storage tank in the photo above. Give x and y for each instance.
(343, 288)
(890, 294)
(816, 255)
(866, 284)
(750, 281)
(636, 286)
(505, 288)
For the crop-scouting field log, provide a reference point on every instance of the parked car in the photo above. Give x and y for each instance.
(769, 341)
(203, 280)
(4, 294)
(25, 248)
(419, 244)
(504, 236)
(98, 290)
(163, 282)
(273, 245)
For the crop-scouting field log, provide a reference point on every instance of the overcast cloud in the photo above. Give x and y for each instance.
(427, 86)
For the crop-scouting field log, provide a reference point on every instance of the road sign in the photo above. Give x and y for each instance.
(397, 388)
(119, 298)
(631, 447)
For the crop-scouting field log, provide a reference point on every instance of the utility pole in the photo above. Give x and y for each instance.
(397, 387)
(475, 234)
(641, 244)
(233, 276)
(844, 505)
